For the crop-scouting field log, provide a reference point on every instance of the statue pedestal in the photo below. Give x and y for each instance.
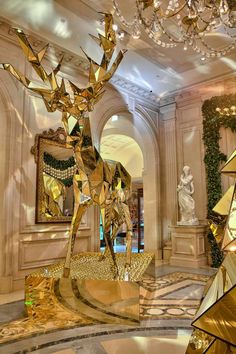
(188, 246)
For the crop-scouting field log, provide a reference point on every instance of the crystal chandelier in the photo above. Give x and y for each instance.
(187, 22)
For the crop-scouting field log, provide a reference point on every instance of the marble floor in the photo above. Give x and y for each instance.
(168, 302)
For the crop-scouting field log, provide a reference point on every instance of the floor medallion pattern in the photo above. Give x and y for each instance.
(173, 295)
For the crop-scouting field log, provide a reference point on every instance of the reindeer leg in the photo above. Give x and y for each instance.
(78, 212)
(115, 228)
(111, 249)
(129, 235)
(77, 216)
(106, 221)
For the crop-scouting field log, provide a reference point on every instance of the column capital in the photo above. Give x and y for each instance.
(168, 112)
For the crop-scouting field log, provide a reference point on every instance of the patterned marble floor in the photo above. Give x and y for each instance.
(171, 296)
(167, 306)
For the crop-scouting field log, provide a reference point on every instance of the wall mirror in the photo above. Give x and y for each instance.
(55, 170)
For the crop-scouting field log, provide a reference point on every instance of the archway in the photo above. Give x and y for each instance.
(137, 126)
(123, 148)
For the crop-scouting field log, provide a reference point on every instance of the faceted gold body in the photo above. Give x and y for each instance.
(105, 183)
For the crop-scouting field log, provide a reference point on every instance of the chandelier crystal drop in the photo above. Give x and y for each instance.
(192, 23)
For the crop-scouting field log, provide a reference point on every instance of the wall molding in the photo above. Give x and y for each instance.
(135, 90)
(27, 258)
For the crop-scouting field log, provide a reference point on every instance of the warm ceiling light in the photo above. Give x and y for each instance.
(227, 111)
(186, 22)
(114, 27)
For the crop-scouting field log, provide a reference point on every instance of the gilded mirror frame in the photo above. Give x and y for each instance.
(48, 140)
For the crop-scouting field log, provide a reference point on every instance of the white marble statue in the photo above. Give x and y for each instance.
(186, 202)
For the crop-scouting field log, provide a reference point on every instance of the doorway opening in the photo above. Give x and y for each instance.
(115, 145)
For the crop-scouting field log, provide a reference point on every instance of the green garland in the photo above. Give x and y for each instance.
(58, 164)
(212, 122)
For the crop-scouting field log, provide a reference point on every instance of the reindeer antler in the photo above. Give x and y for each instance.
(54, 95)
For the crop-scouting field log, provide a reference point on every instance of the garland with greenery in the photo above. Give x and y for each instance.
(61, 165)
(212, 122)
(58, 164)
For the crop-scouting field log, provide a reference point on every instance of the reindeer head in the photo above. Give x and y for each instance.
(77, 102)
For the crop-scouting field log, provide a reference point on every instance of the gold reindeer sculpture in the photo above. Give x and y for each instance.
(95, 181)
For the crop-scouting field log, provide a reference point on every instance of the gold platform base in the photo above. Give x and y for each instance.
(90, 265)
(89, 296)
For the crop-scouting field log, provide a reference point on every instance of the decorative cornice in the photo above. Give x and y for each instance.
(167, 100)
(69, 59)
(195, 93)
(227, 81)
(73, 62)
(135, 90)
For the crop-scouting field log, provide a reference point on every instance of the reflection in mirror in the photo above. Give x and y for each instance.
(55, 170)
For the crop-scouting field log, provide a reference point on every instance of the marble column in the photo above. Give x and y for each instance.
(168, 168)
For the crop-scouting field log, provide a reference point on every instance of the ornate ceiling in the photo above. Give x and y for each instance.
(157, 70)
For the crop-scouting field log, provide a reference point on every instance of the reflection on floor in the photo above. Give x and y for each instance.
(149, 345)
(135, 344)
(168, 303)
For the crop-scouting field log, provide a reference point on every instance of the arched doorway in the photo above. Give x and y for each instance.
(139, 127)
(123, 148)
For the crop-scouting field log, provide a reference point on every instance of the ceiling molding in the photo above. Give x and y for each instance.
(135, 90)
(69, 59)
(167, 100)
(227, 81)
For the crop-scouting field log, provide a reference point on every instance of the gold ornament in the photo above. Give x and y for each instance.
(229, 239)
(223, 205)
(230, 166)
(217, 312)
